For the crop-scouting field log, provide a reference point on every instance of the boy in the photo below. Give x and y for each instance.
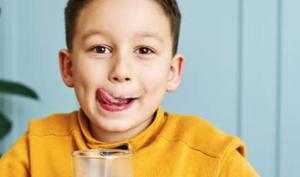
(121, 58)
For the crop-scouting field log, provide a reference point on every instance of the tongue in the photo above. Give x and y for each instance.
(109, 99)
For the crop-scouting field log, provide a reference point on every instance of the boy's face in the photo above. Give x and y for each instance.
(121, 65)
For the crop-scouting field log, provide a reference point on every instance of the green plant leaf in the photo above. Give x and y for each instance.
(5, 125)
(17, 89)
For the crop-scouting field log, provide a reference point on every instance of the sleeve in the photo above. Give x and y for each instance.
(236, 165)
(15, 162)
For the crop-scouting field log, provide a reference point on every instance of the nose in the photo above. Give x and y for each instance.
(120, 71)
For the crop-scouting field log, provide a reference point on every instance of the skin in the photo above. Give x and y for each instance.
(125, 48)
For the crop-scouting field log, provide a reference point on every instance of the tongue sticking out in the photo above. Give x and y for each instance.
(106, 98)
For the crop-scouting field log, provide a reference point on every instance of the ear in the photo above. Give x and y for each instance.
(65, 66)
(175, 72)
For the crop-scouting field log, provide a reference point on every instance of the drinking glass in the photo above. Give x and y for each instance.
(102, 163)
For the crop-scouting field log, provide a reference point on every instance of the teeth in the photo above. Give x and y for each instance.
(119, 101)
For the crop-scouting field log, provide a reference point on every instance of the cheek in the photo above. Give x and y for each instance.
(155, 79)
(88, 73)
(87, 77)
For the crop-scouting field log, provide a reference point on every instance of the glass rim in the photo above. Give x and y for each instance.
(102, 153)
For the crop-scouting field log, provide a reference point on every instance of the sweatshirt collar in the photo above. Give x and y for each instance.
(146, 137)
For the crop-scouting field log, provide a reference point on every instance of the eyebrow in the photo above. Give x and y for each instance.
(91, 33)
(149, 35)
(142, 34)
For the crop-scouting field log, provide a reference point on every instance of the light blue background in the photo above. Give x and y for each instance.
(241, 73)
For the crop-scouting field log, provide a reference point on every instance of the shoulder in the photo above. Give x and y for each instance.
(234, 164)
(54, 124)
(200, 135)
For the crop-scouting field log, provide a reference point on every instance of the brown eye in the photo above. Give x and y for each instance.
(101, 50)
(145, 50)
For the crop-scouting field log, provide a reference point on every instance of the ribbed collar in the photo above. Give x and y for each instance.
(135, 143)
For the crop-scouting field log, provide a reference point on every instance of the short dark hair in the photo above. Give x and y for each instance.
(170, 8)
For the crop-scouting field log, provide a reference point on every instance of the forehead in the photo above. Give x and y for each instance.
(134, 18)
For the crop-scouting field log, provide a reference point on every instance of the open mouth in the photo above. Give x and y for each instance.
(111, 103)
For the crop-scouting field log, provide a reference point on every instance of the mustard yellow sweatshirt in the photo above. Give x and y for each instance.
(172, 146)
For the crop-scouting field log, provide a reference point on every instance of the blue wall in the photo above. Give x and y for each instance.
(241, 73)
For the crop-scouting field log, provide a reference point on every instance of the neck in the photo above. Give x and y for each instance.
(118, 136)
